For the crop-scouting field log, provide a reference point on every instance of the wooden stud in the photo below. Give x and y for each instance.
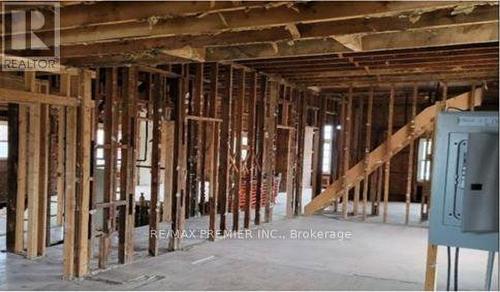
(368, 142)
(43, 179)
(155, 166)
(251, 135)
(70, 193)
(387, 168)
(260, 148)
(127, 171)
(180, 91)
(33, 162)
(168, 133)
(301, 117)
(409, 178)
(12, 177)
(110, 112)
(84, 130)
(60, 162)
(239, 106)
(225, 147)
(270, 150)
(431, 268)
(318, 175)
(213, 152)
(347, 148)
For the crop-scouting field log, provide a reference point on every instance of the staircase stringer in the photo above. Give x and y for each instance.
(424, 122)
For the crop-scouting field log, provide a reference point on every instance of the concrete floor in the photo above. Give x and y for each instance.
(377, 257)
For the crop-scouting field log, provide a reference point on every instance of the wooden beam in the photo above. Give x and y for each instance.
(431, 19)
(27, 97)
(259, 17)
(97, 13)
(476, 33)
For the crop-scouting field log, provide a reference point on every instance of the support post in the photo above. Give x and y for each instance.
(239, 106)
(225, 148)
(387, 168)
(368, 141)
(13, 172)
(213, 152)
(411, 134)
(250, 159)
(347, 148)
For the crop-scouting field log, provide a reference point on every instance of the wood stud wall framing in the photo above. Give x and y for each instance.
(200, 114)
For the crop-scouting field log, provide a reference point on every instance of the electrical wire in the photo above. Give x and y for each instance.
(456, 269)
(448, 275)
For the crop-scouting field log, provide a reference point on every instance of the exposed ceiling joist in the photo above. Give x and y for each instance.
(476, 33)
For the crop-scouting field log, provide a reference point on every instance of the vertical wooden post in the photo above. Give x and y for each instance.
(368, 141)
(70, 189)
(319, 148)
(43, 179)
(290, 204)
(110, 109)
(214, 143)
(33, 162)
(270, 157)
(83, 165)
(60, 164)
(250, 159)
(411, 134)
(13, 167)
(155, 165)
(387, 168)
(239, 106)
(431, 268)
(67, 138)
(198, 198)
(356, 151)
(168, 132)
(260, 148)
(127, 171)
(180, 91)
(301, 117)
(225, 147)
(347, 148)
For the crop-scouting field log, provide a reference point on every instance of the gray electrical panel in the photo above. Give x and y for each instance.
(464, 199)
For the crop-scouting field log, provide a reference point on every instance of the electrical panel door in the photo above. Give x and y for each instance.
(464, 195)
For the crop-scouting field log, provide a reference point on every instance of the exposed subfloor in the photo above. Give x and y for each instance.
(377, 257)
